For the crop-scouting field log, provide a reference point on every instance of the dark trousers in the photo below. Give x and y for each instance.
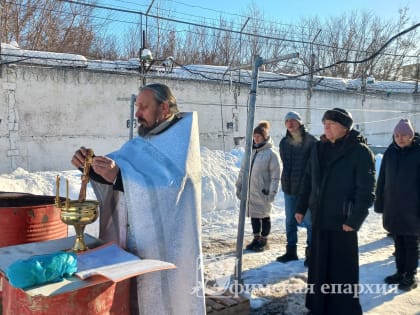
(261, 226)
(406, 253)
(333, 274)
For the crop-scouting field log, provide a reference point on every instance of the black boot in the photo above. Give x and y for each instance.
(251, 246)
(307, 255)
(262, 244)
(408, 282)
(394, 279)
(290, 255)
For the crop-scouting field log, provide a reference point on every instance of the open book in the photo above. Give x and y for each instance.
(115, 264)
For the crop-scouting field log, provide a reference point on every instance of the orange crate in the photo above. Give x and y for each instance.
(103, 298)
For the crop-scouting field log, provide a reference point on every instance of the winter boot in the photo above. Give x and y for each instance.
(394, 279)
(289, 255)
(262, 244)
(407, 283)
(307, 255)
(254, 243)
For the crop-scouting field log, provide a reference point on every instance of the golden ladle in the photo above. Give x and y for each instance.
(85, 176)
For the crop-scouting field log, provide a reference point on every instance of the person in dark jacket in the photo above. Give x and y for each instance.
(295, 148)
(338, 187)
(398, 198)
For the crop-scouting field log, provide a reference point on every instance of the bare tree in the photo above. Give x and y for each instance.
(254, 45)
(52, 25)
(132, 42)
(63, 26)
(355, 37)
(397, 53)
(223, 48)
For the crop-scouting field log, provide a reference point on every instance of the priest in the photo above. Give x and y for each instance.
(150, 202)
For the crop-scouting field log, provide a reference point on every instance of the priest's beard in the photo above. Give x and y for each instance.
(143, 130)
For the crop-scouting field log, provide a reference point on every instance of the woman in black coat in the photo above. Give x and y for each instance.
(398, 198)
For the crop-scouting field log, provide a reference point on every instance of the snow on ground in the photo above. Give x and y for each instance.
(273, 287)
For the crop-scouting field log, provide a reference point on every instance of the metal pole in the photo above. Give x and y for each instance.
(310, 82)
(143, 62)
(240, 46)
(312, 66)
(416, 87)
(147, 12)
(245, 179)
(246, 161)
(141, 33)
(132, 105)
(1, 37)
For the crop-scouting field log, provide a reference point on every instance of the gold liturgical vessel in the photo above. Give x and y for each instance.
(81, 212)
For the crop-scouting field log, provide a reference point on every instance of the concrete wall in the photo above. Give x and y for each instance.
(47, 112)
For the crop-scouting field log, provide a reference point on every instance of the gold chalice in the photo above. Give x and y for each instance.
(81, 212)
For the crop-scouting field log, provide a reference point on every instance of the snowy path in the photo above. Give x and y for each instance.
(279, 287)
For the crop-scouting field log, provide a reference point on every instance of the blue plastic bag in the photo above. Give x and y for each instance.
(41, 269)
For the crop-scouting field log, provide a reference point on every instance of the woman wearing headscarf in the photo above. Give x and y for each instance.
(398, 199)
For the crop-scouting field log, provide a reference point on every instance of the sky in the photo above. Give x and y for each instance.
(265, 278)
(290, 11)
(204, 12)
(281, 11)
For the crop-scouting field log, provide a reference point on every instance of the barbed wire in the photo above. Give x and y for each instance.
(202, 25)
(282, 77)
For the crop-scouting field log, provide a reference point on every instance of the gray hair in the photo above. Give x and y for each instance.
(162, 93)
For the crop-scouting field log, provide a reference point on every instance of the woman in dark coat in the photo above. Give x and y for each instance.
(398, 198)
(338, 187)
